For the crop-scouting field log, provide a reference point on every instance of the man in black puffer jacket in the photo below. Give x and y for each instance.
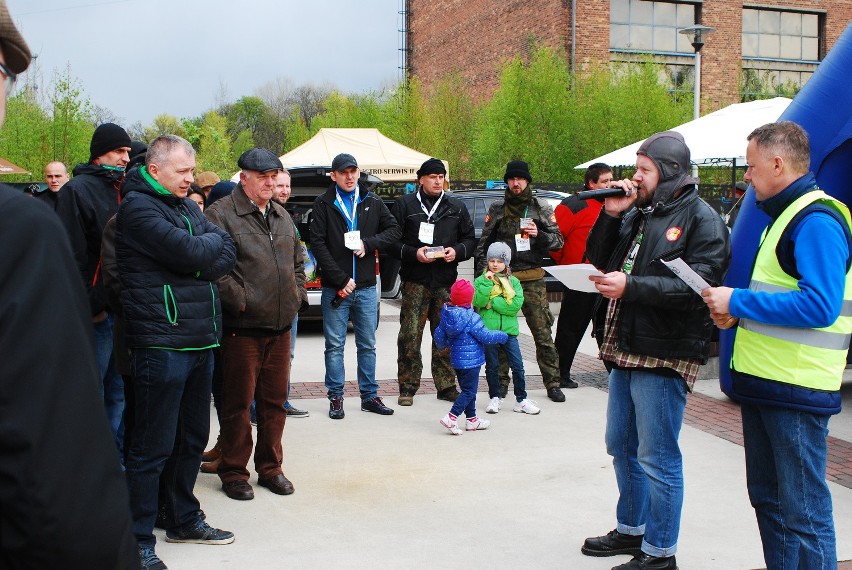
(84, 206)
(169, 257)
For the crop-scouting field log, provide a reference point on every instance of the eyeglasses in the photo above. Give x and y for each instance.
(11, 76)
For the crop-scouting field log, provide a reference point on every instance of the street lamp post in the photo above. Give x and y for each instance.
(698, 34)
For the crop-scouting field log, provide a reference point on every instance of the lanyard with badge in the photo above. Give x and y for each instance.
(522, 239)
(352, 238)
(427, 228)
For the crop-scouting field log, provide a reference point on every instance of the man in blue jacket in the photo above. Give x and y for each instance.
(793, 329)
(169, 257)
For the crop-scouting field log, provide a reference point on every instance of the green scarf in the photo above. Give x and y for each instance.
(514, 208)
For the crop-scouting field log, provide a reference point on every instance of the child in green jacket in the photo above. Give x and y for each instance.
(498, 296)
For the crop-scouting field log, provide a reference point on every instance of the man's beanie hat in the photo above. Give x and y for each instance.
(670, 154)
(108, 137)
(15, 49)
(517, 169)
(431, 166)
(499, 250)
(461, 293)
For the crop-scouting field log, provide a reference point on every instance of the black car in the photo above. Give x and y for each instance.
(478, 202)
(307, 183)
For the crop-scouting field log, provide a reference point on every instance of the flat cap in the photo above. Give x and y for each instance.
(15, 49)
(207, 178)
(259, 160)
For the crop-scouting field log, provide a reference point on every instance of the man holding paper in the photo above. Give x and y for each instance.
(793, 329)
(656, 334)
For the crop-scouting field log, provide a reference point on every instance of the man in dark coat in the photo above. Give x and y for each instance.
(429, 219)
(169, 257)
(85, 205)
(50, 411)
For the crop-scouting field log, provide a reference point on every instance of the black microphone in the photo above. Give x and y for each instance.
(601, 194)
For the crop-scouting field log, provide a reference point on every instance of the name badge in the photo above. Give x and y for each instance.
(427, 232)
(522, 243)
(352, 240)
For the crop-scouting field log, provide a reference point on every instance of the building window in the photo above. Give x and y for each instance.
(773, 34)
(781, 51)
(650, 27)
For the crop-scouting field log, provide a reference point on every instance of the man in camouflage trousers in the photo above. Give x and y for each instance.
(527, 225)
(429, 218)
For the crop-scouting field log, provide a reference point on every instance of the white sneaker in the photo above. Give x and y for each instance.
(476, 423)
(526, 407)
(493, 406)
(451, 425)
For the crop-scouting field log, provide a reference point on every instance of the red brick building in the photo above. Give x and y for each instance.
(783, 40)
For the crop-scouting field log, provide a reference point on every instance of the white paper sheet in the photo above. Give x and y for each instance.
(687, 274)
(575, 277)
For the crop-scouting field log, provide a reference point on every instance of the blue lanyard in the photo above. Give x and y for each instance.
(351, 219)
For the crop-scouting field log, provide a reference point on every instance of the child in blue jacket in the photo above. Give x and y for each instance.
(462, 330)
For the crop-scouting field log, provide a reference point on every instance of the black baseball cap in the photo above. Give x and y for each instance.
(343, 161)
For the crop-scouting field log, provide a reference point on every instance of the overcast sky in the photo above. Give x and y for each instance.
(140, 58)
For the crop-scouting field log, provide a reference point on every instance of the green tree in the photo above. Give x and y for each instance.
(164, 125)
(214, 146)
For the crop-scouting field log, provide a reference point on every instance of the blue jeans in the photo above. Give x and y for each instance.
(172, 390)
(785, 452)
(293, 331)
(643, 421)
(112, 385)
(360, 307)
(516, 362)
(466, 400)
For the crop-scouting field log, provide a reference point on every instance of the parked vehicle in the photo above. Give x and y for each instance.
(478, 202)
(307, 183)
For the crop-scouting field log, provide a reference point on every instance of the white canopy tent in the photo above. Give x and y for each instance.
(375, 153)
(716, 138)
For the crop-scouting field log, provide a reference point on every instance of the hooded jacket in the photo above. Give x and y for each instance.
(378, 228)
(453, 228)
(660, 315)
(266, 288)
(169, 257)
(84, 205)
(463, 331)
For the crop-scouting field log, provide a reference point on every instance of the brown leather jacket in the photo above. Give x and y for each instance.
(266, 288)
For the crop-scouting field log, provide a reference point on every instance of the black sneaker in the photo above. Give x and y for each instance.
(335, 408)
(555, 394)
(644, 561)
(613, 543)
(200, 533)
(567, 383)
(295, 412)
(376, 406)
(148, 559)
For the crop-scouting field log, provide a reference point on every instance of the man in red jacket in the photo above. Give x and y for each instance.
(575, 218)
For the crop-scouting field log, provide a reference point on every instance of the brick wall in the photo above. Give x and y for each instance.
(476, 36)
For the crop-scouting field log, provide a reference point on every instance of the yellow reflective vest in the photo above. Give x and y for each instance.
(812, 358)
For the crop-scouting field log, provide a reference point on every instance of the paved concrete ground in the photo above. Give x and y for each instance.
(399, 491)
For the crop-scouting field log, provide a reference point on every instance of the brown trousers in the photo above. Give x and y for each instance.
(254, 368)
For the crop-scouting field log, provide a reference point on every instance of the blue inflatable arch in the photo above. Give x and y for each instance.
(824, 109)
